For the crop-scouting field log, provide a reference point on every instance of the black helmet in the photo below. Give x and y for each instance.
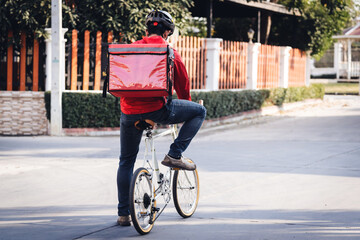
(161, 17)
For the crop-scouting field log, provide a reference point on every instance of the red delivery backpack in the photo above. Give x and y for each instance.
(140, 70)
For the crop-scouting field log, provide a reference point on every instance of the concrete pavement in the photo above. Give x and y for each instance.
(293, 175)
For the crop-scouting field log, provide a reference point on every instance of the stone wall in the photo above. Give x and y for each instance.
(22, 113)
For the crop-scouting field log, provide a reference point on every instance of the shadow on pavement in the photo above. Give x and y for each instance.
(209, 222)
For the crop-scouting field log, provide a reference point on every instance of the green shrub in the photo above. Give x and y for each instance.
(82, 110)
(279, 96)
(316, 91)
(224, 103)
(87, 110)
(295, 94)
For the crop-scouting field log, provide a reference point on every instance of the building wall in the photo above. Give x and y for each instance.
(22, 113)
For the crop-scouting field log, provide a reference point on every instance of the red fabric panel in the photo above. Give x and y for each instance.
(138, 73)
(135, 105)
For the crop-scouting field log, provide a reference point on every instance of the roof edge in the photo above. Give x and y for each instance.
(346, 37)
(269, 6)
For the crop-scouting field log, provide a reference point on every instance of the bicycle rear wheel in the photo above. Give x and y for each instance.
(186, 192)
(141, 206)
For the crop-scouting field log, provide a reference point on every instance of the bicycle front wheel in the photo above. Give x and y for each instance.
(141, 205)
(186, 192)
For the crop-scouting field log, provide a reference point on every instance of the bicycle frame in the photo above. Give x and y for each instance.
(163, 186)
(148, 185)
(150, 147)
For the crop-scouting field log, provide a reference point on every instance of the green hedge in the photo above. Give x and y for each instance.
(87, 110)
(82, 110)
(224, 103)
(278, 96)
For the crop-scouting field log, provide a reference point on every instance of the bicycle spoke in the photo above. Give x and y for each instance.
(141, 201)
(186, 192)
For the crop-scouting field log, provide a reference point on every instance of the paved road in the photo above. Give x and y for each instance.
(295, 175)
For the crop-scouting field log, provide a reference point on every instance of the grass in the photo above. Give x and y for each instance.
(342, 88)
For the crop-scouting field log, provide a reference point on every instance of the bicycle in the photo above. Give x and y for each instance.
(145, 190)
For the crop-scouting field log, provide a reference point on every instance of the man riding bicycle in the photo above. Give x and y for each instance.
(160, 26)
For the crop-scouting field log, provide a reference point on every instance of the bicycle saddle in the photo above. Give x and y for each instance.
(146, 124)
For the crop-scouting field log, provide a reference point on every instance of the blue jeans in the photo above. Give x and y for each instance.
(178, 111)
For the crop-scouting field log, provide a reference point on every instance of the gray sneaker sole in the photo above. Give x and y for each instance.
(177, 166)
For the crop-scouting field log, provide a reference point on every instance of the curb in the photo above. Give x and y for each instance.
(208, 125)
(249, 117)
(91, 131)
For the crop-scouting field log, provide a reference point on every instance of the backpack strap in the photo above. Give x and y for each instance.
(170, 67)
(106, 82)
(105, 73)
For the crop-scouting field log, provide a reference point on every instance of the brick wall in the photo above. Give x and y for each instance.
(22, 113)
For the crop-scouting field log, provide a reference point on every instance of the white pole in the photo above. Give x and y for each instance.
(349, 59)
(48, 60)
(56, 81)
(62, 59)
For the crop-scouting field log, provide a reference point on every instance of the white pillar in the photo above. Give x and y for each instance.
(56, 58)
(62, 62)
(349, 59)
(284, 66)
(308, 69)
(337, 59)
(48, 59)
(252, 65)
(212, 63)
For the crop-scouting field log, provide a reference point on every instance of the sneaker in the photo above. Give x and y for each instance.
(124, 221)
(182, 163)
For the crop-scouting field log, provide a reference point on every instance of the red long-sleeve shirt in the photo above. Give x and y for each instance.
(131, 105)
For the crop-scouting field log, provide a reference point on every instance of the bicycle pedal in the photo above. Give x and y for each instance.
(155, 209)
(176, 169)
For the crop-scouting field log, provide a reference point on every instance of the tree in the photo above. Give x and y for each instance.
(125, 16)
(312, 31)
(29, 16)
(196, 27)
(320, 21)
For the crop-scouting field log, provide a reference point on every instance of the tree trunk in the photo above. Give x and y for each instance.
(265, 27)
